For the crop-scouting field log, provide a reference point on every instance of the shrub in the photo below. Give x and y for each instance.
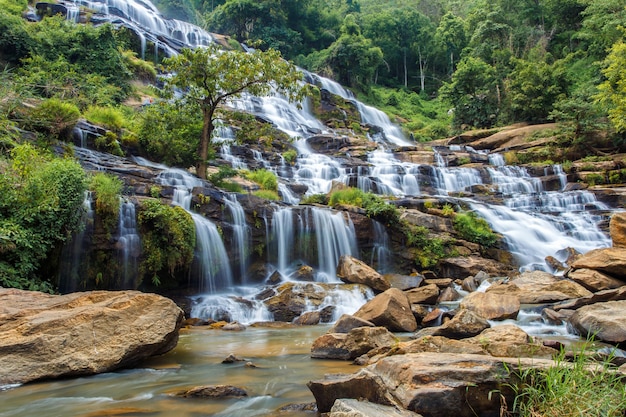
(429, 250)
(315, 199)
(267, 194)
(474, 229)
(106, 116)
(168, 237)
(267, 180)
(54, 117)
(582, 388)
(375, 207)
(290, 156)
(107, 192)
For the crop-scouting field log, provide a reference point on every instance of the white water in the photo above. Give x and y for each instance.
(129, 244)
(241, 234)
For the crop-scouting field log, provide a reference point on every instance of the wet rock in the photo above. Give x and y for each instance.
(347, 407)
(598, 297)
(45, 336)
(427, 294)
(327, 314)
(275, 278)
(604, 320)
(464, 324)
(353, 344)
(610, 261)
(447, 295)
(465, 266)
(492, 306)
(234, 326)
(232, 359)
(304, 407)
(509, 341)
(470, 284)
(431, 384)
(347, 322)
(594, 280)
(352, 270)
(433, 318)
(403, 282)
(617, 229)
(391, 309)
(538, 287)
(309, 318)
(250, 365)
(304, 273)
(555, 317)
(555, 264)
(213, 391)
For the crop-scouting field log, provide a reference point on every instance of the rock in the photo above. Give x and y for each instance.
(610, 261)
(492, 306)
(617, 229)
(391, 309)
(603, 320)
(441, 283)
(355, 343)
(234, 326)
(464, 324)
(433, 318)
(423, 295)
(508, 340)
(310, 318)
(447, 295)
(347, 322)
(598, 297)
(213, 391)
(431, 384)
(470, 284)
(304, 273)
(347, 407)
(354, 271)
(465, 266)
(594, 280)
(403, 282)
(538, 287)
(303, 407)
(439, 344)
(232, 359)
(45, 336)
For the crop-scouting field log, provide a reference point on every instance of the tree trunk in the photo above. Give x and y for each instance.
(203, 146)
(406, 77)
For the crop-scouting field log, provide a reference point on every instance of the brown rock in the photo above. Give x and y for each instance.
(492, 306)
(465, 266)
(617, 229)
(347, 322)
(508, 340)
(403, 282)
(441, 283)
(304, 273)
(538, 287)
(439, 344)
(464, 324)
(427, 294)
(431, 384)
(355, 343)
(594, 280)
(433, 318)
(213, 391)
(391, 309)
(598, 297)
(447, 295)
(610, 261)
(310, 318)
(51, 336)
(352, 270)
(234, 327)
(604, 320)
(348, 407)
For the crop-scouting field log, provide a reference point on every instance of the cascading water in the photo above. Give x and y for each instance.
(129, 244)
(241, 235)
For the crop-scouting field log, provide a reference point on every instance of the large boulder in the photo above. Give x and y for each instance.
(391, 309)
(45, 336)
(431, 384)
(492, 306)
(606, 321)
(347, 322)
(594, 280)
(617, 229)
(428, 294)
(539, 287)
(353, 271)
(510, 341)
(348, 407)
(611, 261)
(464, 324)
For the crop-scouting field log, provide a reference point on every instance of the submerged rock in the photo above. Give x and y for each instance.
(45, 336)
(213, 391)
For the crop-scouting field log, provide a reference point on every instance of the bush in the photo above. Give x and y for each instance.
(105, 116)
(474, 229)
(54, 117)
(375, 207)
(290, 156)
(41, 201)
(107, 192)
(429, 250)
(315, 199)
(168, 237)
(267, 180)
(267, 195)
(582, 388)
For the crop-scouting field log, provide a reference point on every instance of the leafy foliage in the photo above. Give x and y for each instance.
(40, 206)
(267, 180)
(54, 117)
(474, 229)
(375, 207)
(168, 237)
(429, 250)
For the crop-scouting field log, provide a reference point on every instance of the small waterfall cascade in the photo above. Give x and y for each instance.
(513, 180)
(73, 256)
(311, 236)
(381, 254)
(128, 244)
(388, 176)
(241, 235)
(225, 136)
(448, 180)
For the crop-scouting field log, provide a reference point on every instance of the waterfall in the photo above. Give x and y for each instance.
(312, 236)
(128, 244)
(241, 234)
(211, 263)
(381, 255)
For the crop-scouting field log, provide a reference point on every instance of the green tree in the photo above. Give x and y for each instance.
(210, 76)
(473, 92)
(451, 38)
(353, 57)
(612, 91)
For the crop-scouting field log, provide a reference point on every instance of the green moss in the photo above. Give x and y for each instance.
(267, 180)
(107, 192)
(474, 229)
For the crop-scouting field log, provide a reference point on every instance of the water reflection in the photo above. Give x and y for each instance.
(283, 367)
